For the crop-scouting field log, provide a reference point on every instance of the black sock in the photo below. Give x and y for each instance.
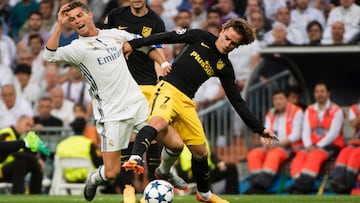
(153, 159)
(126, 177)
(201, 173)
(143, 140)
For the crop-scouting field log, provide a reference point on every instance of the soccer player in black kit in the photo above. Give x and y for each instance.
(139, 19)
(205, 56)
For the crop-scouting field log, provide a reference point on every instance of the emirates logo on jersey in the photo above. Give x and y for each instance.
(146, 31)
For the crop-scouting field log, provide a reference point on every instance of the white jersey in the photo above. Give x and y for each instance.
(101, 61)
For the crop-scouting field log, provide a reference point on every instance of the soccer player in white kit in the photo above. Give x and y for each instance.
(119, 105)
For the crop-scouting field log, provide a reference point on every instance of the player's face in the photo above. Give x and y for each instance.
(228, 40)
(137, 4)
(81, 21)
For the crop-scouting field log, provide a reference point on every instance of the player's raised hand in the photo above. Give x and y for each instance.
(127, 50)
(268, 137)
(62, 16)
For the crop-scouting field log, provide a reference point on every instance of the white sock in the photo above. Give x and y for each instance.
(168, 159)
(99, 177)
(205, 195)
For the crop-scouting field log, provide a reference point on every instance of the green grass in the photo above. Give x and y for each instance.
(187, 199)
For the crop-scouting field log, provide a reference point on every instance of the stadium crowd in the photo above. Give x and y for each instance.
(56, 95)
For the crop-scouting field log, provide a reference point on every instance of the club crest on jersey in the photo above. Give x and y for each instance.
(146, 31)
(220, 64)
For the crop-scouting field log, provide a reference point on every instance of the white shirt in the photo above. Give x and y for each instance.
(271, 7)
(350, 17)
(208, 90)
(37, 69)
(74, 91)
(331, 135)
(301, 20)
(65, 112)
(101, 61)
(293, 35)
(241, 59)
(9, 117)
(280, 126)
(6, 75)
(31, 93)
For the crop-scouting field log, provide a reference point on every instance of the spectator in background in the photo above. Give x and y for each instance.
(25, 56)
(46, 8)
(90, 130)
(337, 34)
(12, 106)
(44, 117)
(78, 146)
(322, 137)
(51, 80)
(198, 13)
(294, 95)
(183, 20)
(347, 164)
(293, 35)
(67, 35)
(226, 8)
(303, 14)
(314, 32)
(62, 108)
(9, 48)
(280, 33)
(36, 44)
(19, 14)
(285, 119)
(6, 75)
(256, 20)
(271, 8)
(349, 14)
(209, 93)
(213, 17)
(5, 49)
(24, 88)
(158, 8)
(253, 6)
(76, 89)
(16, 165)
(5, 12)
(35, 27)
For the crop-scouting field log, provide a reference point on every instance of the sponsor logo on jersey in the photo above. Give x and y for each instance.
(204, 64)
(120, 27)
(146, 31)
(204, 45)
(220, 64)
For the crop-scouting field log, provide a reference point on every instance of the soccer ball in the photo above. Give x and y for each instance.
(159, 191)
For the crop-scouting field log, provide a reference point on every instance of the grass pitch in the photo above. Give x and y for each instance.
(187, 199)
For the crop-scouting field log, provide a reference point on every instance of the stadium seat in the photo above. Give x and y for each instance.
(59, 186)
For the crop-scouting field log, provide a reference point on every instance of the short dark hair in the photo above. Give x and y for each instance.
(312, 23)
(35, 36)
(34, 13)
(78, 125)
(75, 4)
(279, 91)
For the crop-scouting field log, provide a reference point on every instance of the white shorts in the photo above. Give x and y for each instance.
(115, 135)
